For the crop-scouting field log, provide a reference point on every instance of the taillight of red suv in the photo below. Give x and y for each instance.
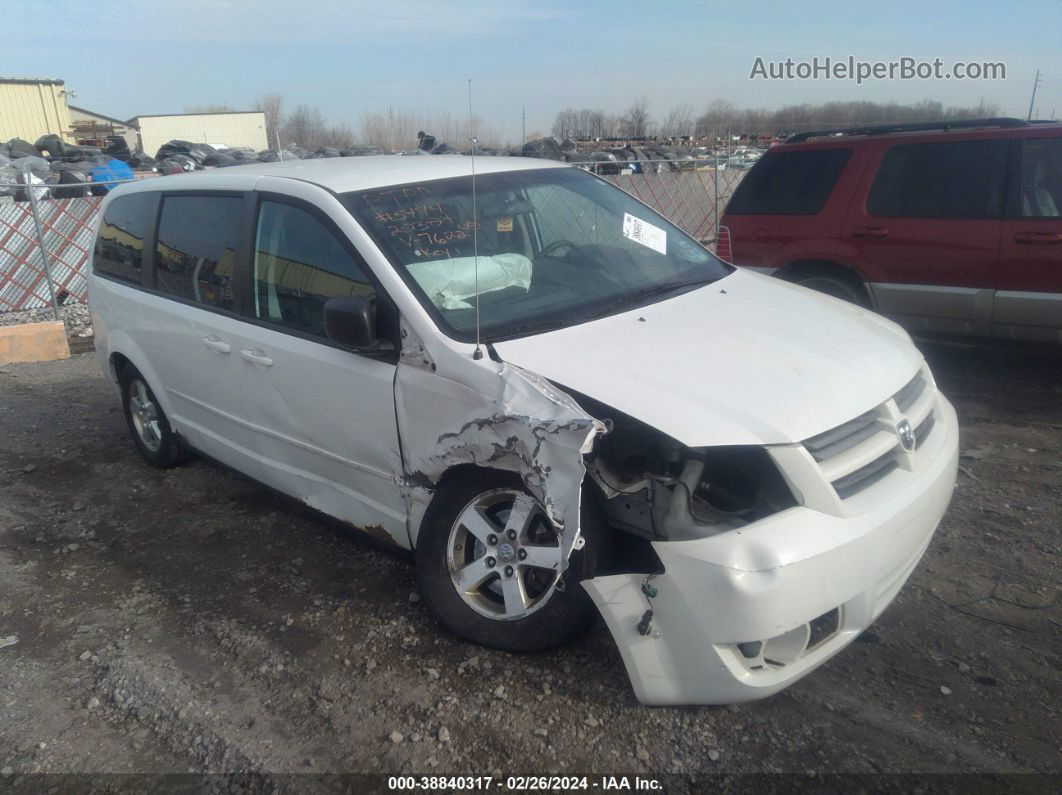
(722, 244)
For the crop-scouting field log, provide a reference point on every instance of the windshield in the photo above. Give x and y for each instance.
(556, 247)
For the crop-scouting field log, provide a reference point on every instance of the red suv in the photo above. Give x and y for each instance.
(949, 227)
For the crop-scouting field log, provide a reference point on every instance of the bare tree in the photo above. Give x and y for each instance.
(636, 120)
(717, 118)
(582, 123)
(679, 122)
(305, 127)
(566, 124)
(272, 105)
(397, 130)
(338, 136)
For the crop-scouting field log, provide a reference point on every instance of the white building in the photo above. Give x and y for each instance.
(230, 129)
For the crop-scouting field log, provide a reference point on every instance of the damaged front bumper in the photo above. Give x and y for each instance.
(743, 614)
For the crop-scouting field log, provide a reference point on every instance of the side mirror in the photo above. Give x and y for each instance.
(350, 320)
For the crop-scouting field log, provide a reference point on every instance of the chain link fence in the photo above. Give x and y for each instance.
(58, 247)
(46, 242)
(689, 194)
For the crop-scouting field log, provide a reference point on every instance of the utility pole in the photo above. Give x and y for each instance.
(523, 126)
(1032, 99)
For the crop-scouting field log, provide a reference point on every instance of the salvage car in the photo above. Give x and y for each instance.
(558, 400)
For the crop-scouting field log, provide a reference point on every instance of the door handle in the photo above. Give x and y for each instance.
(1038, 238)
(870, 231)
(254, 357)
(217, 345)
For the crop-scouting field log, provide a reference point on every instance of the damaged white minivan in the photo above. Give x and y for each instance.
(564, 404)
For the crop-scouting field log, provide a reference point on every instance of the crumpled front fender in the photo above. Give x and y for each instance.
(493, 415)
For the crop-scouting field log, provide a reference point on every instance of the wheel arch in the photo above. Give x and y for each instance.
(124, 352)
(803, 268)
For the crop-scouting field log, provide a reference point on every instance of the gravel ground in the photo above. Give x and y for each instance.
(189, 620)
(75, 316)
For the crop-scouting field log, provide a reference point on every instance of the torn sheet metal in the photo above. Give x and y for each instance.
(413, 351)
(497, 416)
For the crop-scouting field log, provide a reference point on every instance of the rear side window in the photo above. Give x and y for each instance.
(299, 264)
(1041, 178)
(789, 183)
(196, 251)
(120, 244)
(951, 179)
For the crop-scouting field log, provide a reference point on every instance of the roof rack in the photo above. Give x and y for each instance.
(925, 126)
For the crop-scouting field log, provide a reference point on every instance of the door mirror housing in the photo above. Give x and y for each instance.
(350, 320)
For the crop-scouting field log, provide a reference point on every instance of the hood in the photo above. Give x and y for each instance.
(749, 359)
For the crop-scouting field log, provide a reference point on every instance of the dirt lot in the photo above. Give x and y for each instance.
(189, 620)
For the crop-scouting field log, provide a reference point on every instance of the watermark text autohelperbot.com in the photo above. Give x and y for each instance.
(851, 68)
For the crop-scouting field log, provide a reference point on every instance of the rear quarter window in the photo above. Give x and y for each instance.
(120, 243)
(789, 183)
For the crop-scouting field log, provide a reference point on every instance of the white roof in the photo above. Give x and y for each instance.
(342, 174)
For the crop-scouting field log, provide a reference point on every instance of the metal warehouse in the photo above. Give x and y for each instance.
(30, 108)
(231, 129)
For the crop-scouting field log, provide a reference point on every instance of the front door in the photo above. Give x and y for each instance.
(323, 416)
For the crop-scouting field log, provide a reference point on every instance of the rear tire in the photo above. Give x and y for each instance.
(483, 584)
(147, 422)
(839, 287)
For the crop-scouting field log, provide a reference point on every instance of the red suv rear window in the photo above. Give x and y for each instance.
(946, 179)
(789, 183)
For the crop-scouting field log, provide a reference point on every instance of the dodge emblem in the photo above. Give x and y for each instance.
(906, 434)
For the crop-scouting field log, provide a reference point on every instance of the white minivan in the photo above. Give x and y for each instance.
(564, 404)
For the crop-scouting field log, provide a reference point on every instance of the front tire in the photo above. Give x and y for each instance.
(487, 565)
(147, 422)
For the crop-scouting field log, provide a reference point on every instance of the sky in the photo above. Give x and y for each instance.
(349, 57)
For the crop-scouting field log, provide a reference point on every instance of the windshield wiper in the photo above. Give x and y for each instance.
(649, 292)
(526, 328)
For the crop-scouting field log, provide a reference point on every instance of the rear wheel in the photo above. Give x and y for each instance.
(147, 422)
(489, 566)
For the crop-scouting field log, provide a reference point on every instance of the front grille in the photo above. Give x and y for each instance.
(907, 396)
(857, 454)
(922, 431)
(864, 477)
(843, 437)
